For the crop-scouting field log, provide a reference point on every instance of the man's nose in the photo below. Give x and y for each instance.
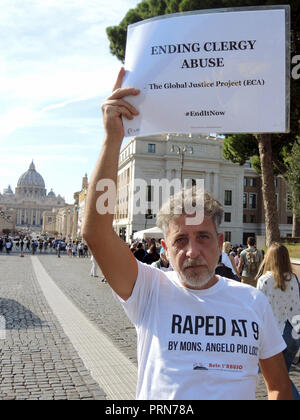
(193, 249)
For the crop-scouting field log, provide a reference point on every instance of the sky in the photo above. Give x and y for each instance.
(55, 70)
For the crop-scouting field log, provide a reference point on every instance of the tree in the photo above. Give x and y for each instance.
(283, 153)
(293, 174)
(150, 8)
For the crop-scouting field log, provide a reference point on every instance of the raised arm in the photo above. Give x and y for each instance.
(113, 256)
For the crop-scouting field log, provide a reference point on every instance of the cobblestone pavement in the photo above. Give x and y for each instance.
(37, 359)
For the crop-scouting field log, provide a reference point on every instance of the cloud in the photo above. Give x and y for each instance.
(15, 118)
(54, 53)
(49, 115)
(29, 149)
(61, 157)
(55, 70)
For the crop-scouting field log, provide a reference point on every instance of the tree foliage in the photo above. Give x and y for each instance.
(150, 8)
(237, 148)
(292, 162)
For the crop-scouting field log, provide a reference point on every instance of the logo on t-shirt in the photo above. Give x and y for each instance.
(225, 367)
(199, 366)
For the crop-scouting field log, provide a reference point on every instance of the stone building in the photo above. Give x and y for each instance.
(81, 204)
(30, 200)
(66, 222)
(195, 157)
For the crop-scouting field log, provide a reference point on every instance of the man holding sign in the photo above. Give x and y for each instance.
(200, 336)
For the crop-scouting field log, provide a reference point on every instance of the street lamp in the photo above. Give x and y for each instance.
(181, 151)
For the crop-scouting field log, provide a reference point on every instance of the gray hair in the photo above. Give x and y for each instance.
(174, 207)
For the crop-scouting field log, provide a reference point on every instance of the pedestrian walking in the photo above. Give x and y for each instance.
(200, 336)
(152, 255)
(58, 249)
(80, 250)
(85, 251)
(94, 269)
(163, 262)
(237, 257)
(250, 260)
(228, 259)
(74, 249)
(140, 252)
(8, 246)
(69, 249)
(282, 288)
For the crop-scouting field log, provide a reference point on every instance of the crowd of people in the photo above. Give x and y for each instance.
(44, 245)
(236, 262)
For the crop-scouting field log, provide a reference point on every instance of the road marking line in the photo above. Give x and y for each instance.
(114, 373)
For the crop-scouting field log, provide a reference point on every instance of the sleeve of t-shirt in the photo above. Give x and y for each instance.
(143, 294)
(262, 285)
(271, 342)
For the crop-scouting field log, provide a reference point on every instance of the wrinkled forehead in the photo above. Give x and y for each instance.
(179, 225)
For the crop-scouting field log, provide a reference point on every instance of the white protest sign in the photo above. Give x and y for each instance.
(218, 71)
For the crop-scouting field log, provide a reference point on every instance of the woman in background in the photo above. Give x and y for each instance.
(282, 288)
(228, 259)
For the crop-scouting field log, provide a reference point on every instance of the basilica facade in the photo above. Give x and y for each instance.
(30, 200)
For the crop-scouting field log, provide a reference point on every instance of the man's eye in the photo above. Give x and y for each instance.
(179, 240)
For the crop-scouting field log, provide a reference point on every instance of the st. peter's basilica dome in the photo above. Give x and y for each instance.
(31, 178)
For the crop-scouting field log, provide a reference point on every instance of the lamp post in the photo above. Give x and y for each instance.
(181, 151)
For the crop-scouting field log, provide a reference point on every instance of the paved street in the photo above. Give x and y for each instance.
(66, 336)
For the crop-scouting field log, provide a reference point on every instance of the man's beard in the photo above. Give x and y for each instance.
(194, 279)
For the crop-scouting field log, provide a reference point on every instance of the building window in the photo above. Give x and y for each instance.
(290, 220)
(227, 217)
(275, 183)
(245, 200)
(228, 198)
(151, 148)
(252, 182)
(252, 218)
(244, 218)
(227, 236)
(245, 181)
(252, 201)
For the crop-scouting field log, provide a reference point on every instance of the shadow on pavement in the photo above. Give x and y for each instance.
(17, 316)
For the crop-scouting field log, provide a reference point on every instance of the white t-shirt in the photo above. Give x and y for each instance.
(199, 344)
(285, 304)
